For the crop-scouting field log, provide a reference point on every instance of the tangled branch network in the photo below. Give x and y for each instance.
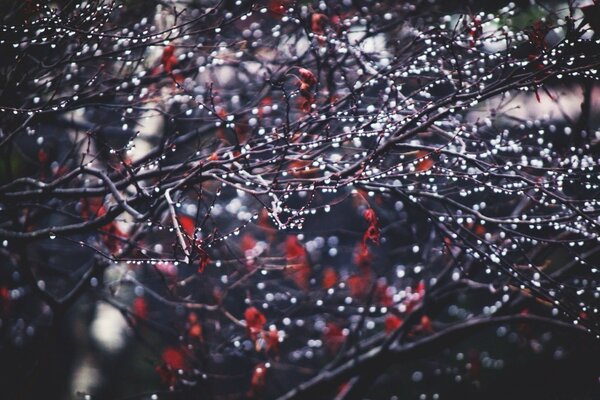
(278, 171)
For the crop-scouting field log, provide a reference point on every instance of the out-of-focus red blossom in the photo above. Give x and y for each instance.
(424, 164)
(203, 261)
(298, 268)
(265, 106)
(168, 58)
(140, 308)
(333, 337)
(172, 360)
(475, 31)
(258, 380)
(421, 289)
(264, 222)
(370, 216)
(343, 389)
(392, 322)
(479, 230)
(247, 243)
(330, 278)
(334, 98)
(194, 328)
(188, 224)
(301, 168)
(42, 156)
(318, 22)
(306, 76)
(362, 256)
(382, 295)
(306, 81)
(300, 273)
(372, 233)
(277, 7)
(93, 208)
(266, 101)
(255, 321)
(425, 325)
(294, 251)
(113, 236)
(359, 285)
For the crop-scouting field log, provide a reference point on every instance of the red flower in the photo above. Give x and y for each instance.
(42, 156)
(247, 243)
(426, 325)
(264, 222)
(173, 361)
(298, 268)
(372, 233)
(300, 273)
(277, 7)
(294, 251)
(168, 58)
(370, 216)
(382, 295)
(330, 278)
(112, 237)
(140, 308)
(173, 358)
(475, 31)
(307, 77)
(333, 337)
(392, 322)
(195, 329)
(204, 260)
(363, 256)
(188, 224)
(421, 289)
(255, 320)
(359, 285)
(424, 163)
(317, 23)
(258, 380)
